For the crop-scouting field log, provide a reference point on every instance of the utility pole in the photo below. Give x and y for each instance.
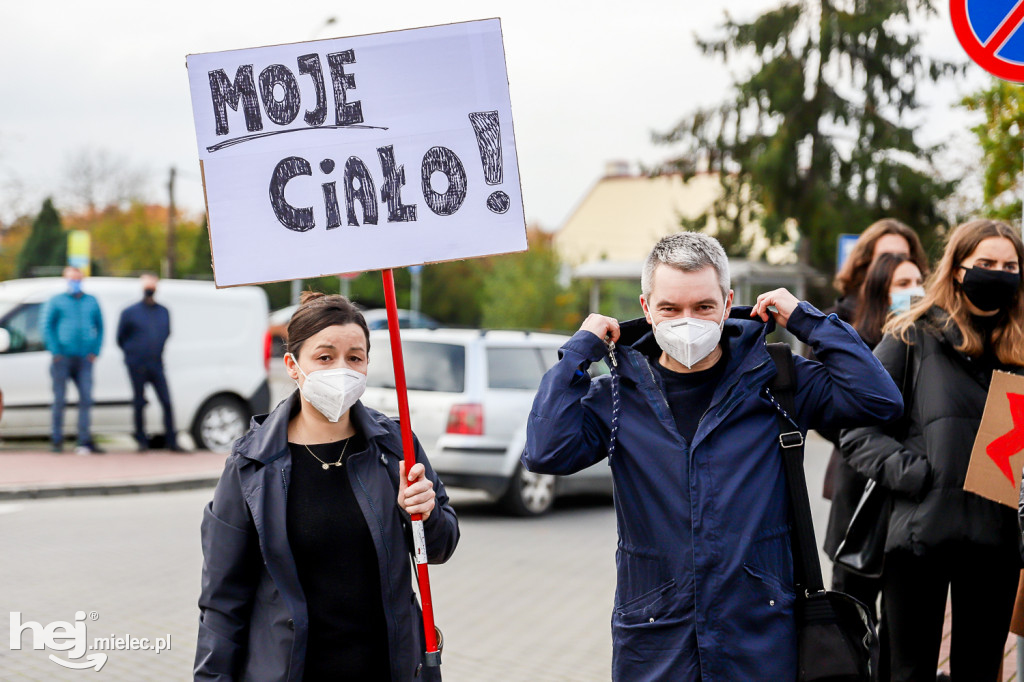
(169, 263)
(417, 286)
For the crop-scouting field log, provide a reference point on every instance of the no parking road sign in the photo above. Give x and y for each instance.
(992, 34)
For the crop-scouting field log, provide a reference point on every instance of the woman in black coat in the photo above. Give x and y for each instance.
(893, 280)
(859, 307)
(306, 544)
(970, 322)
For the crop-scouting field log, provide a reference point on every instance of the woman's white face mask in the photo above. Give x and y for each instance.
(688, 340)
(331, 391)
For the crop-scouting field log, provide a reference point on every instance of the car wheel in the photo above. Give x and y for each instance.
(529, 494)
(219, 423)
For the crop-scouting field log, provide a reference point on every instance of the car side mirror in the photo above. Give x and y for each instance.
(5, 340)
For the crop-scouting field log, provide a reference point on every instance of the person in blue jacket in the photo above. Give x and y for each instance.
(142, 331)
(73, 333)
(705, 569)
(307, 542)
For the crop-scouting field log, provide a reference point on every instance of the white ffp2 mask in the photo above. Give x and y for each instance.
(688, 340)
(331, 391)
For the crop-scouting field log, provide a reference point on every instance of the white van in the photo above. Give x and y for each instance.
(215, 360)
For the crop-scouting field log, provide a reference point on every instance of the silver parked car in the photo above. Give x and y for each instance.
(470, 393)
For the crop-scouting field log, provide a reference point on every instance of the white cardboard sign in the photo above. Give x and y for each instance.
(360, 153)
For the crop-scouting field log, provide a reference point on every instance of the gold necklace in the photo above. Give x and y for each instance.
(327, 465)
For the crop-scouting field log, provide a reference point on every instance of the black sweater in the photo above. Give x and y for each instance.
(337, 566)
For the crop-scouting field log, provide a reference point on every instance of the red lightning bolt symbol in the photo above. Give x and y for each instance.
(1011, 442)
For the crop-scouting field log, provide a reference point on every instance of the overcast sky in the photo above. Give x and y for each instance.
(589, 81)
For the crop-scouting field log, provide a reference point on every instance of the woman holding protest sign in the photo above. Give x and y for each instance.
(943, 351)
(306, 543)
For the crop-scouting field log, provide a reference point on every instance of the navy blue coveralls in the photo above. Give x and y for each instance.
(705, 569)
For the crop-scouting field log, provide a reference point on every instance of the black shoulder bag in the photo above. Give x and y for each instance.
(836, 636)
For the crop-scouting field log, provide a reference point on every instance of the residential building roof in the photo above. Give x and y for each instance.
(623, 215)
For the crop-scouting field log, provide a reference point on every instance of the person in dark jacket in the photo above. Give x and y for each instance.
(892, 282)
(142, 332)
(306, 544)
(705, 585)
(73, 333)
(844, 486)
(883, 236)
(940, 537)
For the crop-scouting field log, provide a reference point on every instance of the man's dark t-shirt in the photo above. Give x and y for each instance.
(689, 394)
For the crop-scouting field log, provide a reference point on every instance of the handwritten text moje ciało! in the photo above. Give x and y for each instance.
(278, 92)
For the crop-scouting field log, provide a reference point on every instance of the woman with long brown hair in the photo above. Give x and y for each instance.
(943, 351)
(843, 485)
(892, 283)
(887, 235)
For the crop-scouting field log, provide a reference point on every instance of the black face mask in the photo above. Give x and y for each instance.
(990, 289)
(149, 293)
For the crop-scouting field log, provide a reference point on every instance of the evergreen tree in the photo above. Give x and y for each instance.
(201, 265)
(46, 244)
(1001, 137)
(816, 141)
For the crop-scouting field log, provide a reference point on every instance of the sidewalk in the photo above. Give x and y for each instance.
(33, 473)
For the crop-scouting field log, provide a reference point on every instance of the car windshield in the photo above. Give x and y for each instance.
(6, 307)
(428, 367)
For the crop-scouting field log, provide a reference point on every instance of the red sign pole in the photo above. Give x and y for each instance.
(433, 657)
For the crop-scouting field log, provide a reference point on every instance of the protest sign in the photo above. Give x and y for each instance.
(361, 153)
(998, 455)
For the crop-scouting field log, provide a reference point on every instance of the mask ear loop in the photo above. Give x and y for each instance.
(296, 362)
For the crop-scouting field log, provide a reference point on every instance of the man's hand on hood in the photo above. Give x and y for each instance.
(784, 304)
(605, 328)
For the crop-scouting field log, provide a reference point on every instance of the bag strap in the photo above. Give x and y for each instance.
(782, 392)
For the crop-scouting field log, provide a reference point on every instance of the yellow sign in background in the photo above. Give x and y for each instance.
(79, 246)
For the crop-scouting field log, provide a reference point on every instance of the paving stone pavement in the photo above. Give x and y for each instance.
(521, 600)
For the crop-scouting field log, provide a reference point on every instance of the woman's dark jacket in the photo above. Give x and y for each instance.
(843, 485)
(926, 467)
(253, 623)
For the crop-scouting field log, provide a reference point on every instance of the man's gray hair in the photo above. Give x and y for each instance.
(689, 252)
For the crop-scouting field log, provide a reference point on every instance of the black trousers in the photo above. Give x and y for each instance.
(982, 583)
(142, 372)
